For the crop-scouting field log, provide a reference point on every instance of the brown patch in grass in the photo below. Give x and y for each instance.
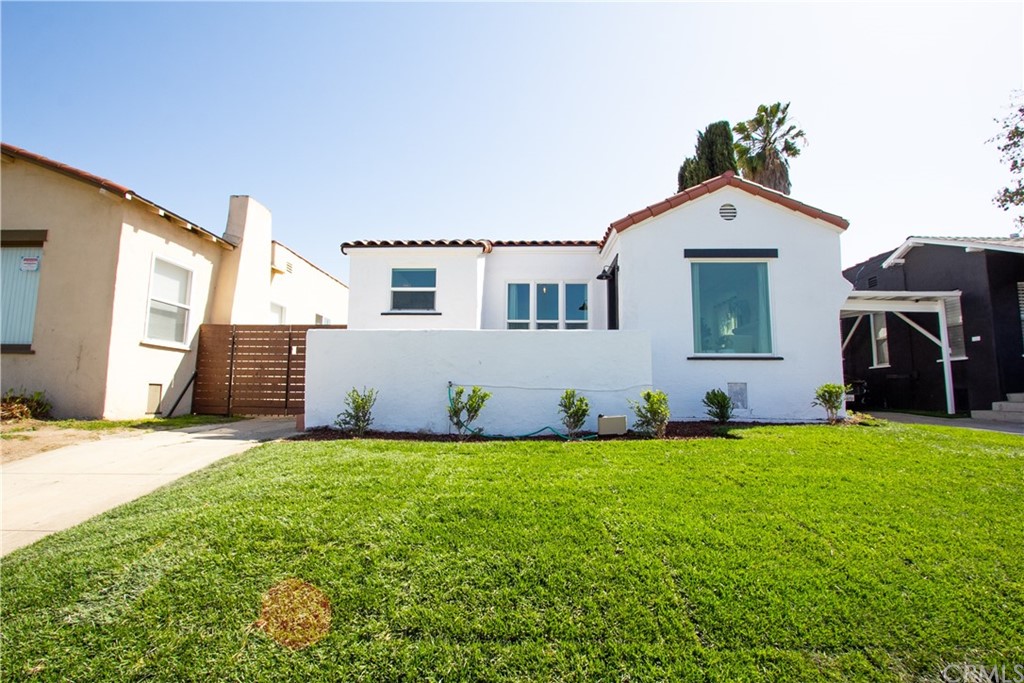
(29, 437)
(296, 614)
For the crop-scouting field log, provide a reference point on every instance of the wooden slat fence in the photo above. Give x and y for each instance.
(252, 369)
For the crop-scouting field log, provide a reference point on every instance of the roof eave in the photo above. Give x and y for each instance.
(898, 257)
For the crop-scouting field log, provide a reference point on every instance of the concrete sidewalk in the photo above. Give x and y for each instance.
(61, 488)
(965, 422)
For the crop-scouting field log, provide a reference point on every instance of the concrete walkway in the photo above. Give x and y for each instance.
(965, 422)
(58, 489)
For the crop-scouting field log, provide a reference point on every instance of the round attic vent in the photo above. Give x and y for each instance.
(727, 212)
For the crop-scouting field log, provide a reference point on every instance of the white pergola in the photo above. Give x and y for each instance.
(865, 302)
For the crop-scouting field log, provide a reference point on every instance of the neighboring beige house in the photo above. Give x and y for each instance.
(104, 291)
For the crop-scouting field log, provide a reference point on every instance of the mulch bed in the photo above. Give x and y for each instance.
(676, 430)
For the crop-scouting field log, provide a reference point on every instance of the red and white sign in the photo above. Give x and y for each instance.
(30, 263)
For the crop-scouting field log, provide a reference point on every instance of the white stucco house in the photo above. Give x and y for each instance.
(726, 285)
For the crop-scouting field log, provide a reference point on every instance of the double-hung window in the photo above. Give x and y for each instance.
(518, 306)
(413, 289)
(879, 341)
(170, 293)
(731, 307)
(547, 306)
(548, 298)
(576, 306)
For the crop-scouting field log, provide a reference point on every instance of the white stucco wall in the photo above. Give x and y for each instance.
(306, 291)
(460, 272)
(806, 291)
(526, 373)
(507, 265)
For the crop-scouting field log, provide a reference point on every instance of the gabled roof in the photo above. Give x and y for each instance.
(727, 179)
(1011, 244)
(112, 187)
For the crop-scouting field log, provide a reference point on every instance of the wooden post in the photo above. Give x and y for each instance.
(288, 372)
(231, 369)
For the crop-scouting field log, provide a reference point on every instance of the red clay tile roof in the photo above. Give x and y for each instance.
(485, 245)
(707, 187)
(546, 243)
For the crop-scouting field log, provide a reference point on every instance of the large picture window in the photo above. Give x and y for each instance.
(170, 290)
(731, 308)
(413, 289)
(547, 306)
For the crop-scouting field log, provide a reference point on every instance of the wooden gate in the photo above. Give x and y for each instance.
(252, 369)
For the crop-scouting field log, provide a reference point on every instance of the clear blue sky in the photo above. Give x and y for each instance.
(356, 121)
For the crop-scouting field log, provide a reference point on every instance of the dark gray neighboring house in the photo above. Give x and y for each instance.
(893, 365)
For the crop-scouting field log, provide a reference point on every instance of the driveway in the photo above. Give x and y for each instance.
(61, 488)
(965, 422)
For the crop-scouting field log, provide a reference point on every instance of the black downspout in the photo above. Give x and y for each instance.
(613, 295)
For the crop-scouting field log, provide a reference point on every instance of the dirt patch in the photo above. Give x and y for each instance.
(676, 430)
(294, 613)
(29, 437)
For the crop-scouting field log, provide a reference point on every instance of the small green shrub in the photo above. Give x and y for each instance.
(462, 412)
(357, 416)
(719, 405)
(574, 410)
(652, 413)
(831, 397)
(36, 403)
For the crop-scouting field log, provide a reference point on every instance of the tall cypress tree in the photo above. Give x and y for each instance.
(714, 154)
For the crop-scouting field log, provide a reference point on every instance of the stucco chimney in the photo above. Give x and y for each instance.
(242, 294)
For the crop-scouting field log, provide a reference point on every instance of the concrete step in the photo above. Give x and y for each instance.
(998, 416)
(1015, 398)
(1008, 406)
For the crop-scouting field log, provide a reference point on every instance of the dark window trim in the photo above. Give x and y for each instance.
(16, 348)
(730, 253)
(411, 313)
(22, 238)
(734, 356)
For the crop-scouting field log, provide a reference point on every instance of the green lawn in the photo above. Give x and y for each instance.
(790, 553)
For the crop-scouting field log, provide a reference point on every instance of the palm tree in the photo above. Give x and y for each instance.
(765, 144)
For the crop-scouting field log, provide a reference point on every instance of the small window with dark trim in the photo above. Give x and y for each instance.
(413, 289)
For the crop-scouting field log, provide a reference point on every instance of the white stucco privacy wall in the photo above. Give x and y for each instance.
(525, 371)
